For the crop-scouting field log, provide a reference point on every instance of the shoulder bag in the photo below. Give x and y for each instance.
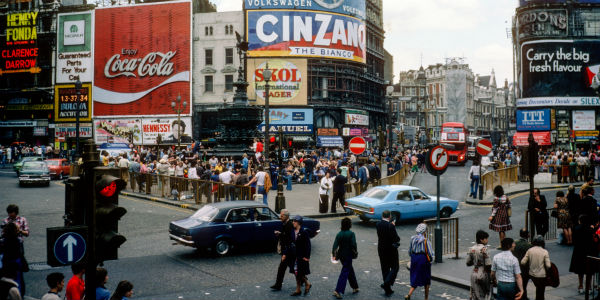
(552, 276)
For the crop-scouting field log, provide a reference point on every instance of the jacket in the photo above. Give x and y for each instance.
(339, 184)
(538, 260)
(285, 238)
(387, 237)
(345, 240)
(363, 177)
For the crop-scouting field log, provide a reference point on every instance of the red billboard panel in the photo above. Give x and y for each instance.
(142, 59)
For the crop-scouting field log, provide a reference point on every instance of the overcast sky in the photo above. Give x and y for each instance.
(439, 29)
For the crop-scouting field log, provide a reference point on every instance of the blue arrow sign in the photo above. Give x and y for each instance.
(284, 153)
(69, 248)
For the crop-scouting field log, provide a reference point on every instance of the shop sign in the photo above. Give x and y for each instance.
(563, 132)
(149, 65)
(542, 22)
(586, 135)
(70, 130)
(287, 85)
(74, 57)
(40, 131)
(19, 50)
(529, 120)
(18, 123)
(356, 117)
(584, 120)
(290, 120)
(68, 102)
(305, 129)
(30, 107)
(327, 131)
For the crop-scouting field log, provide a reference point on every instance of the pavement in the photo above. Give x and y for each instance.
(517, 188)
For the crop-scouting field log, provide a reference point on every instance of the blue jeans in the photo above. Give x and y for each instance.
(347, 274)
(261, 190)
(308, 176)
(474, 186)
(506, 290)
(289, 182)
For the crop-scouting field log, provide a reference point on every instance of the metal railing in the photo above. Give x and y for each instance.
(503, 177)
(449, 235)
(592, 277)
(552, 224)
(355, 189)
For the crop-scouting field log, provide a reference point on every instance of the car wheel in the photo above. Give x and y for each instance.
(445, 212)
(396, 217)
(364, 219)
(222, 247)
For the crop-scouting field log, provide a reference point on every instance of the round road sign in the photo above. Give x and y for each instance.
(484, 147)
(438, 158)
(357, 145)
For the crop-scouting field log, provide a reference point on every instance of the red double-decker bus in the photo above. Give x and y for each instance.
(456, 134)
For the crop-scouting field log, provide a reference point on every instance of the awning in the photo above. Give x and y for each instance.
(330, 141)
(541, 137)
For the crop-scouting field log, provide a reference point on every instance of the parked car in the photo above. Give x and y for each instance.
(404, 202)
(59, 167)
(221, 226)
(19, 164)
(34, 172)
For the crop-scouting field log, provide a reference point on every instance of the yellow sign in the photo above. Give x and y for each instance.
(587, 133)
(287, 85)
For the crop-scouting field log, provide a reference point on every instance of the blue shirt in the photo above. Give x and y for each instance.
(102, 293)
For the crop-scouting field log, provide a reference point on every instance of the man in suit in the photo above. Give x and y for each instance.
(285, 249)
(339, 190)
(387, 248)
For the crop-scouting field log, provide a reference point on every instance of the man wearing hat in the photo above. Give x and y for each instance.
(387, 248)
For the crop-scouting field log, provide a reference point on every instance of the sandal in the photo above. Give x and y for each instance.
(407, 297)
(307, 288)
(337, 295)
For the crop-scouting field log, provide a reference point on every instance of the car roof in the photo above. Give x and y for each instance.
(393, 188)
(235, 204)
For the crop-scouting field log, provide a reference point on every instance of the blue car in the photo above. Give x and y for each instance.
(405, 203)
(224, 225)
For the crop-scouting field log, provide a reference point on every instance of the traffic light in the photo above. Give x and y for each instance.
(107, 215)
(272, 140)
(290, 142)
(74, 205)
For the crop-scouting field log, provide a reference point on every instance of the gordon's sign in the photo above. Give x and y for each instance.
(148, 65)
(287, 85)
(305, 34)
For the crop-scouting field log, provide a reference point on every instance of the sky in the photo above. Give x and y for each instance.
(426, 32)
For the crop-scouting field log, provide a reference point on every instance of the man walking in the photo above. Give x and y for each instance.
(521, 247)
(284, 247)
(339, 190)
(363, 177)
(506, 272)
(387, 248)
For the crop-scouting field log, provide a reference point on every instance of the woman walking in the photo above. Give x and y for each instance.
(344, 249)
(561, 204)
(474, 175)
(500, 220)
(481, 288)
(538, 260)
(301, 267)
(421, 256)
(583, 246)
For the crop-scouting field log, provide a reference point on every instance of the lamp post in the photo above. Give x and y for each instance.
(78, 93)
(178, 107)
(390, 91)
(267, 73)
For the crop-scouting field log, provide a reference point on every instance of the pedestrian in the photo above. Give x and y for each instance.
(500, 218)
(13, 217)
(339, 191)
(56, 283)
(584, 245)
(474, 175)
(388, 242)
(589, 204)
(344, 249)
(538, 260)
(123, 291)
(506, 273)
(588, 183)
(102, 293)
(538, 212)
(575, 208)
(324, 187)
(11, 247)
(76, 285)
(561, 205)
(421, 256)
(262, 180)
(301, 266)
(9, 287)
(284, 247)
(363, 177)
(521, 247)
(479, 258)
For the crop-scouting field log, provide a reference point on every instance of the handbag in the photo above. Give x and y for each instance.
(552, 276)
(509, 211)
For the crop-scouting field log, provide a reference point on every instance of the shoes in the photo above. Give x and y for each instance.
(407, 297)
(580, 291)
(337, 295)
(276, 287)
(387, 289)
(356, 290)
(307, 288)
(296, 293)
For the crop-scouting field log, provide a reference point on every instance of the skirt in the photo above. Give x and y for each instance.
(420, 270)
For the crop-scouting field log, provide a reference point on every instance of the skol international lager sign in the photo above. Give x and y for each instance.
(287, 85)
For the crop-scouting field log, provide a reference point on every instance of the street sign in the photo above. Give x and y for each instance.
(438, 158)
(484, 147)
(66, 245)
(357, 145)
(285, 154)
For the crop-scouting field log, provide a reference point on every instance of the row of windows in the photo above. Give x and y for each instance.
(208, 56)
(209, 83)
(208, 30)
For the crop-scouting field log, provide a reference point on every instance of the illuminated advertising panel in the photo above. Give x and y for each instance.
(354, 8)
(19, 50)
(542, 22)
(297, 33)
(356, 117)
(584, 120)
(290, 120)
(67, 102)
(560, 72)
(169, 130)
(287, 86)
(118, 131)
(74, 58)
(142, 59)
(534, 120)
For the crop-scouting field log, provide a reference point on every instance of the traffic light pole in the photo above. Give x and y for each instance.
(90, 161)
(280, 199)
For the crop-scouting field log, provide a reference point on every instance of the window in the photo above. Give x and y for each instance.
(241, 215)
(210, 30)
(228, 56)
(206, 30)
(404, 196)
(208, 83)
(226, 29)
(376, 193)
(228, 83)
(325, 121)
(208, 57)
(418, 195)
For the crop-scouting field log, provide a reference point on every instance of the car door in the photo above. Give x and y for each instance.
(404, 204)
(424, 207)
(265, 224)
(239, 225)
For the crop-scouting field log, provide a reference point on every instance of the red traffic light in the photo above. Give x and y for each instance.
(109, 190)
(109, 186)
(290, 143)
(272, 139)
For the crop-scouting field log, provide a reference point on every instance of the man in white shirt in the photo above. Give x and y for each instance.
(506, 271)
(260, 178)
(324, 187)
(227, 177)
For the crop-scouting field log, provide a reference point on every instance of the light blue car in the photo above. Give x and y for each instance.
(405, 203)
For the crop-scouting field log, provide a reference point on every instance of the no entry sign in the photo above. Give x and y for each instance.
(357, 145)
(484, 147)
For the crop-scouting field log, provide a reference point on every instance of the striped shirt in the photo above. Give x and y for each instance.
(506, 266)
(417, 246)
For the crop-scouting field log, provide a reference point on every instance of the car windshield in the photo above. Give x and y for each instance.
(206, 213)
(452, 129)
(33, 165)
(376, 193)
(52, 162)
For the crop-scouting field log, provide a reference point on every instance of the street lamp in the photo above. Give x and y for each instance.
(267, 73)
(390, 91)
(78, 93)
(178, 107)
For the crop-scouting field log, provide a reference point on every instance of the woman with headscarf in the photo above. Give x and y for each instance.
(479, 258)
(499, 220)
(421, 256)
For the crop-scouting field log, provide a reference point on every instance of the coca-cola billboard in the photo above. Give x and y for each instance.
(142, 59)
